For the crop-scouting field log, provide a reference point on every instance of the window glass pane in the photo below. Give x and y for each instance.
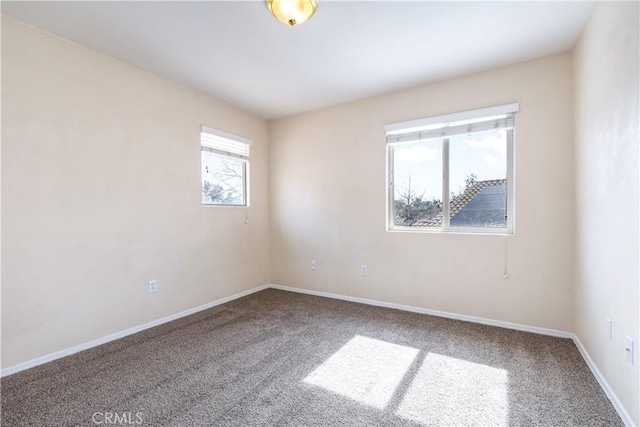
(417, 183)
(478, 179)
(222, 179)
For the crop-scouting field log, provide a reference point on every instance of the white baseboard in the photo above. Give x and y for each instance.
(626, 418)
(112, 337)
(481, 320)
(536, 330)
(543, 331)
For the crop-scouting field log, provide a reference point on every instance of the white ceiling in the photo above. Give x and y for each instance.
(239, 53)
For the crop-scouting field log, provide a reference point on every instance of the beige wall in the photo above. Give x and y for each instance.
(607, 276)
(101, 192)
(328, 181)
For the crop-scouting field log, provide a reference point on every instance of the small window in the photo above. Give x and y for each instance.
(453, 172)
(225, 168)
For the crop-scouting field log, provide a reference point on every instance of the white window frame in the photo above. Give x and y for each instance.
(235, 147)
(436, 127)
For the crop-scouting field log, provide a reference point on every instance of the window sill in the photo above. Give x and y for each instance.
(216, 205)
(465, 231)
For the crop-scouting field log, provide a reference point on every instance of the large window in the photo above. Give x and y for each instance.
(452, 172)
(225, 167)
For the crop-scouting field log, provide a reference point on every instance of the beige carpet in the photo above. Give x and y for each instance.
(280, 358)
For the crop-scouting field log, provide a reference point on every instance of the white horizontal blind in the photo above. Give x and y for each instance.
(227, 144)
(445, 126)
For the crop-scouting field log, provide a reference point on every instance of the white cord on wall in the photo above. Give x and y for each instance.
(506, 258)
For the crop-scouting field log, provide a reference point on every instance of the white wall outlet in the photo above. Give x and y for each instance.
(364, 270)
(628, 348)
(608, 329)
(153, 286)
(313, 264)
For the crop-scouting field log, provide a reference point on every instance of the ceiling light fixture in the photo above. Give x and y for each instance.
(292, 12)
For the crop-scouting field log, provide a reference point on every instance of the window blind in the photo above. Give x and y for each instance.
(223, 143)
(500, 117)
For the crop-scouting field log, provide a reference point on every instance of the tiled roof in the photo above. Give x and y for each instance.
(460, 201)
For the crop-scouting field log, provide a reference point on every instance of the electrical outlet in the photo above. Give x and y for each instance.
(364, 270)
(153, 286)
(608, 329)
(313, 264)
(628, 348)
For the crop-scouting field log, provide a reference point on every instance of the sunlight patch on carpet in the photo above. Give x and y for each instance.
(365, 369)
(448, 391)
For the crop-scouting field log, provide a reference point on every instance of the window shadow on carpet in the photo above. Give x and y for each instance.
(426, 388)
